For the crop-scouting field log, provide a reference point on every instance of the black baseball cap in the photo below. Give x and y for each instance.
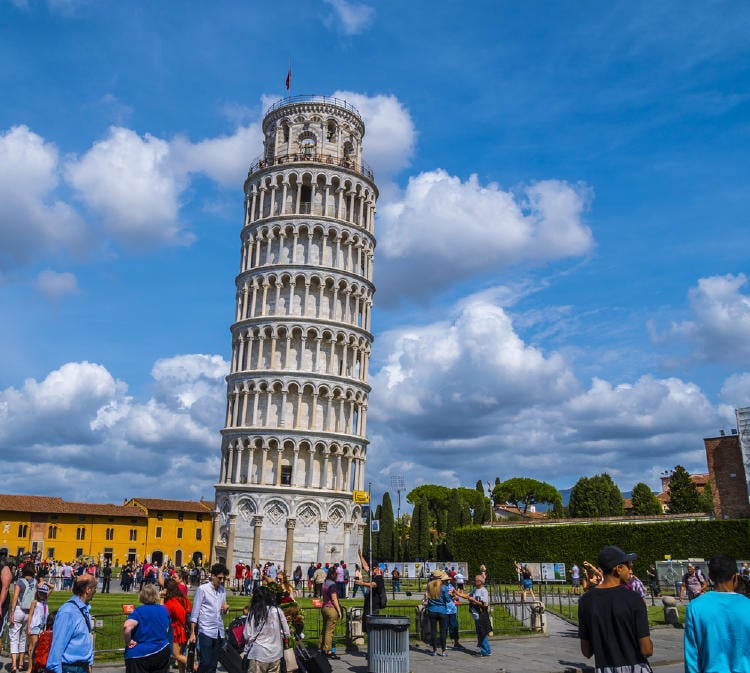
(610, 557)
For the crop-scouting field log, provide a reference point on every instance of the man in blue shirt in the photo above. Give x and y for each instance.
(209, 604)
(72, 650)
(717, 626)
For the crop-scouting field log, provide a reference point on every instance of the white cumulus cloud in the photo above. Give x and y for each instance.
(720, 328)
(80, 420)
(130, 183)
(33, 220)
(442, 230)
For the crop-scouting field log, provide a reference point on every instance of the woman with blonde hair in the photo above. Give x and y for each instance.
(438, 597)
(146, 633)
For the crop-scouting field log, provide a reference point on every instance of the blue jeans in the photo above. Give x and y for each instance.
(208, 653)
(357, 587)
(453, 627)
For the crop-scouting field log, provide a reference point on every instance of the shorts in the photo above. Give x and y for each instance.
(576, 582)
(528, 584)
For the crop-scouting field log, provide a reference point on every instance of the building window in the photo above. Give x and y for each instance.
(133, 534)
(179, 533)
(80, 533)
(286, 475)
(21, 551)
(110, 534)
(180, 516)
(52, 532)
(23, 530)
(53, 517)
(198, 534)
(160, 516)
(199, 517)
(79, 552)
(81, 518)
(50, 552)
(158, 531)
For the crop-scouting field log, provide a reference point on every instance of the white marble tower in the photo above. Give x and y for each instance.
(294, 442)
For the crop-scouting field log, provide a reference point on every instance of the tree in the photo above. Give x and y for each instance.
(480, 486)
(645, 503)
(419, 531)
(434, 497)
(595, 496)
(521, 491)
(706, 499)
(453, 519)
(683, 494)
(387, 530)
(558, 509)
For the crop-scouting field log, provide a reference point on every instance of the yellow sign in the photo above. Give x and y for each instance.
(361, 497)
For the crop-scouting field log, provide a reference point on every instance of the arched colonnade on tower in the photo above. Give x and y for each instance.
(324, 193)
(332, 352)
(310, 244)
(307, 296)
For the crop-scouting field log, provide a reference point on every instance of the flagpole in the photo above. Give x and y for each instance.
(369, 491)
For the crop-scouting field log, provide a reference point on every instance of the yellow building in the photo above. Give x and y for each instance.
(143, 528)
(179, 531)
(52, 528)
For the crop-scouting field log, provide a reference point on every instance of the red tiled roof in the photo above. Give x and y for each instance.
(41, 504)
(513, 509)
(200, 506)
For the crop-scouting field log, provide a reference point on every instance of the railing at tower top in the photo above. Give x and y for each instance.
(316, 158)
(312, 98)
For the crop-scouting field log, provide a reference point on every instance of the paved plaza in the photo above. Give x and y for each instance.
(557, 652)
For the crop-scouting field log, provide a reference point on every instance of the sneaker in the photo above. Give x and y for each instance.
(445, 654)
(434, 654)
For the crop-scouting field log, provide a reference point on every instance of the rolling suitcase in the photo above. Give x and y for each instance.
(230, 658)
(312, 662)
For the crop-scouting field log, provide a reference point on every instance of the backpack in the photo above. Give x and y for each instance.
(236, 633)
(28, 594)
(41, 653)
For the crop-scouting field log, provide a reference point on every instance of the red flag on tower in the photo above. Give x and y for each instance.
(288, 77)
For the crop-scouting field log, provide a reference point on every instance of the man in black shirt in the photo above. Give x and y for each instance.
(612, 621)
(375, 596)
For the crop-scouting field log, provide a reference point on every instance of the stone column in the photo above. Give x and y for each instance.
(289, 549)
(214, 537)
(230, 540)
(347, 539)
(257, 530)
(322, 530)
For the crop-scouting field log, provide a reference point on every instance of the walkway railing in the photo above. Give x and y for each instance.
(313, 98)
(317, 158)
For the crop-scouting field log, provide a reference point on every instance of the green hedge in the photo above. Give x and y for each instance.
(565, 543)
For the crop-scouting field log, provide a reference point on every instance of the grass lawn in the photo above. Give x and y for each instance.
(655, 613)
(107, 611)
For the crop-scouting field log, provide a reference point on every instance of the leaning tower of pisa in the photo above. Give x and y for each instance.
(294, 442)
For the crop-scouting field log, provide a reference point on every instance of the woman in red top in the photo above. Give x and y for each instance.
(178, 605)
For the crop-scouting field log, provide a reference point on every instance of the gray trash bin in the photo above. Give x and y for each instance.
(387, 644)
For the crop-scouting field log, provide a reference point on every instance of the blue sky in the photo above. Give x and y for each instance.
(562, 232)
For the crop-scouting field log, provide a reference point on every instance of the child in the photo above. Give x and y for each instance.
(38, 612)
